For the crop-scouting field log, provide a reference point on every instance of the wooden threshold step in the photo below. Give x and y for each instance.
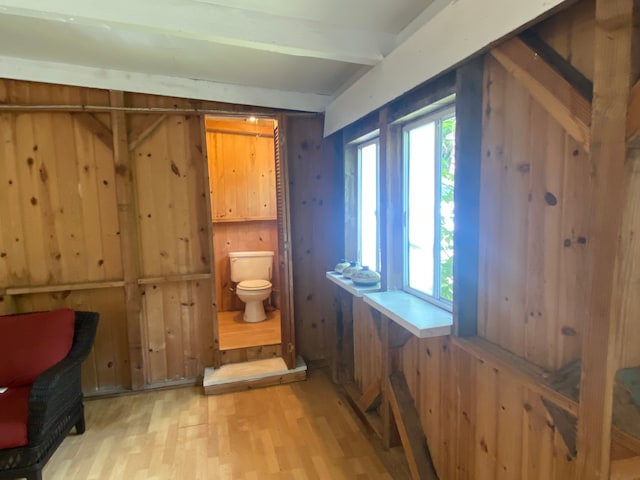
(235, 377)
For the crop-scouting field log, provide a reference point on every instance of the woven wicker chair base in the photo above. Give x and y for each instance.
(55, 407)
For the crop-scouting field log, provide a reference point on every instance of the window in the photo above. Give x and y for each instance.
(429, 164)
(368, 244)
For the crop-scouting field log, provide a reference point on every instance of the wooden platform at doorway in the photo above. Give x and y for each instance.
(247, 375)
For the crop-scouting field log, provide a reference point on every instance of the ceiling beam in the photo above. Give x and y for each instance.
(67, 74)
(217, 24)
(452, 35)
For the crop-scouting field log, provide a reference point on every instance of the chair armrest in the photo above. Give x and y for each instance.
(59, 388)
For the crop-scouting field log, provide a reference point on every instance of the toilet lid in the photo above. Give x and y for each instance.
(254, 284)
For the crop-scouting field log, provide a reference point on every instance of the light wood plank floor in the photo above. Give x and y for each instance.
(297, 431)
(236, 333)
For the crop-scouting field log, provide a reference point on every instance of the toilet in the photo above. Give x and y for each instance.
(252, 272)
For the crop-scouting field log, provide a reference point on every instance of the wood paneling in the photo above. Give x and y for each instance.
(317, 235)
(536, 185)
(70, 228)
(241, 168)
(571, 34)
(57, 203)
(367, 347)
(171, 200)
(178, 325)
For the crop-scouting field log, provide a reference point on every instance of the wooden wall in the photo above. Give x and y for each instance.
(480, 399)
(109, 211)
(534, 241)
(61, 235)
(316, 206)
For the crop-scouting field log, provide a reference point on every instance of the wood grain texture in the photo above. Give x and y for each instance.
(571, 33)
(316, 237)
(236, 333)
(548, 87)
(616, 67)
(534, 234)
(299, 431)
(241, 169)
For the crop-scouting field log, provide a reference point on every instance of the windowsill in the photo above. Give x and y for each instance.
(349, 286)
(418, 316)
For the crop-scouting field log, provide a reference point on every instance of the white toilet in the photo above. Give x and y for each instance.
(252, 272)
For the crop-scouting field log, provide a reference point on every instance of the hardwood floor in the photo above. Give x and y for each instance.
(297, 431)
(236, 333)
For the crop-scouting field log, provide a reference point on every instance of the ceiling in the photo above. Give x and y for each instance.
(286, 46)
(341, 57)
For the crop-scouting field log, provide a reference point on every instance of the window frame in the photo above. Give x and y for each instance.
(437, 115)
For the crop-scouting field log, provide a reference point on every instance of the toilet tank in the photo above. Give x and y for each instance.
(250, 265)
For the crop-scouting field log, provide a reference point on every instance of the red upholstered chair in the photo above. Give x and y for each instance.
(40, 358)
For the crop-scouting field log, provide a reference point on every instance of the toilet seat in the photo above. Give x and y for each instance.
(254, 284)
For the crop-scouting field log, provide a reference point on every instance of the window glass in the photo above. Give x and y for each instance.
(428, 150)
(368, 251)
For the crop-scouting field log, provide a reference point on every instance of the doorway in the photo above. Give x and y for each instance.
(244, 209)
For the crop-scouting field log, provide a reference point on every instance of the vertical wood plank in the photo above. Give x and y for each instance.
(615, 68)
(206, 314)
(491, 192)
(127, 211)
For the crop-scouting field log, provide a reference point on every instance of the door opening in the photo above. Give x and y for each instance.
(249, 215)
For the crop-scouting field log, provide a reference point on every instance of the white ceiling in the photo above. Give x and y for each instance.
(343, 56)
(302, 46)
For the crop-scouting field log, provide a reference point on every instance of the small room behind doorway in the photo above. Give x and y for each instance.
(243, 208)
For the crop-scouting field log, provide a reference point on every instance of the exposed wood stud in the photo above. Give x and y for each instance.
(565, 423)
(127, 215)
(582, 84)
(615, 63)
(548, 87)
(411, 434)
(95, 126)
(145, 130)
(370, 397)
(469, 101)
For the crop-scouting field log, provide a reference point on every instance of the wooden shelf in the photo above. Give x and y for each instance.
(68, 287)
(349, 286)
(188, 277)
(244, 219)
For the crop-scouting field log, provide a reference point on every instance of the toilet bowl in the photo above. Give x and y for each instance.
(253, 293)
(252, 272)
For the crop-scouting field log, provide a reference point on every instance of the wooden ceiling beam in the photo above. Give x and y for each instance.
(217, 24)
(559, 98)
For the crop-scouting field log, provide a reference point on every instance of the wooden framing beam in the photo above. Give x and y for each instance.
(95, 126)
(633, 117)
(615, 62)
(410, 429)
(563, 102)
(370, 397)
(127, 218)
(145, 130)
(469, 94)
